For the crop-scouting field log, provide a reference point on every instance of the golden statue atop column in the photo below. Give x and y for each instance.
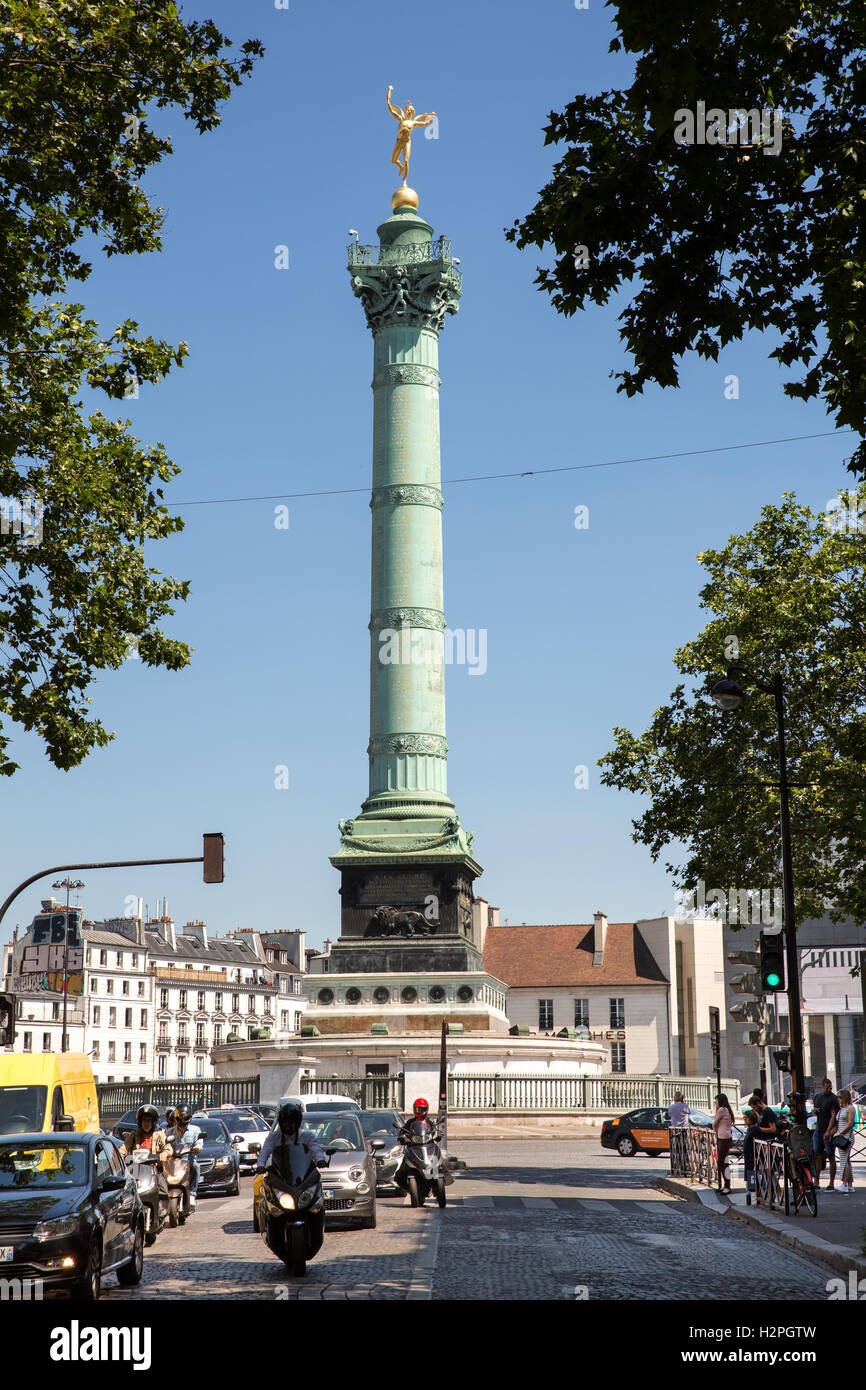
(407, 121)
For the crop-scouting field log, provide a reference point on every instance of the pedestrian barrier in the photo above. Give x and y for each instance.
(371, 1092)
(114, 1098)
(771, 1175)
(694, 1154)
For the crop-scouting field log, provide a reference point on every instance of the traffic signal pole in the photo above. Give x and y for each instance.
(792, 955)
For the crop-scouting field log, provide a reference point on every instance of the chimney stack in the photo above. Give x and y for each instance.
(599, 924)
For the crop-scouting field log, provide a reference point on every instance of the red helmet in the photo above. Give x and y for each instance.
(420, 1107)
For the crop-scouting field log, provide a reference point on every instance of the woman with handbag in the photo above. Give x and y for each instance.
(843, 1139)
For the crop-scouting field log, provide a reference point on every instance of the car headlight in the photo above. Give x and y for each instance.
(223, 1163)
(286, 1201)
(52, 1230)
(356, 1174)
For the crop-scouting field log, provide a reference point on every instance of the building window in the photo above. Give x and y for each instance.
(201, 999)
(270, 955)
(545, 1013)
(141, 989)
(163, 998)
(217, 1035)
(55, 1010)
(182, 1038)
(144, 1018)
(298, 1021)
(96, 1015)
(250, 1032)
(112, 1017)
(142, 1053)
(127, 1052)
(296, 984)
(182, 1004)
(199, 1065)
(124, 988)
(94, 1052)
(160, 1066)
(111, 1050)
(127, 1018)
(581, 1013)
(236, 1003)
(28, 1042)
(103, 957)
(46, 1042)
(199, 1035)
(284, 1020)
(617, 1056)
(218, 1003)
(284, 984)
(181, 1066)
(163, 1034)
(94, 985)
(617, 1013)
(135, 960)
(252, 1004)
(109, 986)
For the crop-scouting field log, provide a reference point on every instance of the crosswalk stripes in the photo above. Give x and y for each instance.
(594, 1207)
(588, 1206)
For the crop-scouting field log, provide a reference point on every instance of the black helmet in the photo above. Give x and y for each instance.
(289, 1117)
(183, 1114)
(796, 1097)
(149, 1110)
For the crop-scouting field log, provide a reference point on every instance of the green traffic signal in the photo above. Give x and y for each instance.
(772, 953)
(773, 980)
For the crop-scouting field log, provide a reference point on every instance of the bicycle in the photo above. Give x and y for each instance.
(802, 1173)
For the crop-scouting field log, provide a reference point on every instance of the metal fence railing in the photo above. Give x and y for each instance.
(694, 1154)
(371, 1092)
(114, 1098)
(771, 1175)
(616, 1092)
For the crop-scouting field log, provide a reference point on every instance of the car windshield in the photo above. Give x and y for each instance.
(246, 1124)
(335, 1129)
(700, 1117)
(22, 1108)
(42, 1166)
(332, 1105)
(377, 1122)
(213, 1131)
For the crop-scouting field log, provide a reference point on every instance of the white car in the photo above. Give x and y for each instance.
(248, 1133)
(323, 1100)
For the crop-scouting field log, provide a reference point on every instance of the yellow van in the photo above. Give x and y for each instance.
(45, 1091)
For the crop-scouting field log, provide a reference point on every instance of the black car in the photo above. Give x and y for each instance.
(218, 1165)
(69, 1214)
(127, 1124)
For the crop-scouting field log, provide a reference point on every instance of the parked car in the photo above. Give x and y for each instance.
(247, 1133)
(218, 1161)
(647, 1131)
(349, 1182)
(324, 1100)
(69, 1212)
(379, 1124)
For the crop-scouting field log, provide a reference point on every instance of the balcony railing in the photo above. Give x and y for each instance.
(616, 1092)
(437, 251)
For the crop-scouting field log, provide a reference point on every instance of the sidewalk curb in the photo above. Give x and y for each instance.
(843, 1258)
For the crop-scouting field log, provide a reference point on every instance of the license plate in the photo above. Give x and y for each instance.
(7, 1254)
(329, 1194)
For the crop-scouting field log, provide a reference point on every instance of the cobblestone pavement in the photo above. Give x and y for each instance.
(217, 1255)
(528, 1219)
(567, 1220)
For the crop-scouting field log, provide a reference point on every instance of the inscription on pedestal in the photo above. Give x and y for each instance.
(399, 889)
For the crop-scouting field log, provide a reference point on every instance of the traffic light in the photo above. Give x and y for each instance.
(751, 1011)
(213, 847)
(7, 1020)
(772, 950)
(783, 1059)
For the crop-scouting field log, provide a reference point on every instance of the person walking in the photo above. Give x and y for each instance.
(826, 1105)
(723, 1124)
(843, 1139)
(749, 1138)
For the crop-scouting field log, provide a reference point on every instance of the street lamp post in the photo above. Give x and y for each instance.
(728, 695)
(68, 884)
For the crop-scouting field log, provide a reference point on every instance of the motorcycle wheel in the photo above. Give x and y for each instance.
(297, 1244)
(173, 1203)
(440, 1192)
(412, 1188)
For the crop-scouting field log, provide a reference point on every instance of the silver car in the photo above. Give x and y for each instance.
(378, 1127)
(349, 1181)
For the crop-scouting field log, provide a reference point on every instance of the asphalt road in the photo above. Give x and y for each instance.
(536, 1220)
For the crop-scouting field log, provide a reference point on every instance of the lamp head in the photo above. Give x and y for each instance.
(727, 694)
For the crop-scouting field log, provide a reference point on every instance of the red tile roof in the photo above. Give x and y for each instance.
(562, 955)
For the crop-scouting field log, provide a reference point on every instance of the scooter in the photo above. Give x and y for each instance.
(421, 1169)
(289, 1211)
(144, 1166)
(177, 1175)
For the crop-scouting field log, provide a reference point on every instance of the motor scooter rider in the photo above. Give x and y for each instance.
(146, 1135)
(421, 1123)
(182, 1132)
(287, 1130)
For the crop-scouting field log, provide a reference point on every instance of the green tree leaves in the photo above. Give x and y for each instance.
(78, 83)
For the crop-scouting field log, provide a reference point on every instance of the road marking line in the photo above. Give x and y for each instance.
(478, 1201)
(533, 1203)
(596, 1205)
(655, 1207)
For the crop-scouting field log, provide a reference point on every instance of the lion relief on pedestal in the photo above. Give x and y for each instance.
(398, 921)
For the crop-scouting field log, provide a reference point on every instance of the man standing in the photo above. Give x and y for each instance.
(679, 1112)
(826, 1105)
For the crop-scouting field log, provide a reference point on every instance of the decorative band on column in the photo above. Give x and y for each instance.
(390, 618)
(428, 745)
(410, 494)
(406, 374)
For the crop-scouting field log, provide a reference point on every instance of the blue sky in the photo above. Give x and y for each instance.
(275, 399)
